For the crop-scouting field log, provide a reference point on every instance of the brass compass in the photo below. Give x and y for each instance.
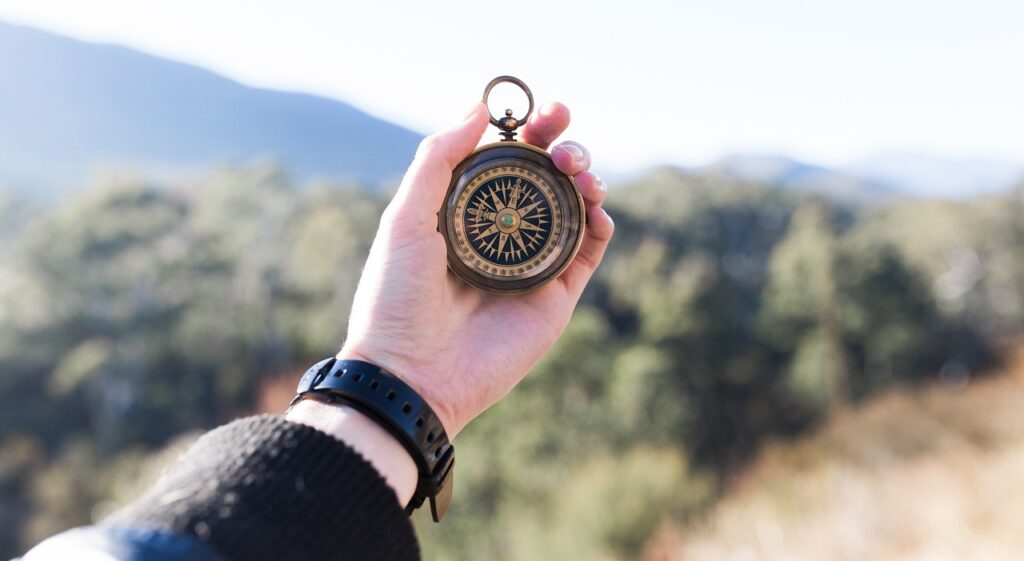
(512, 222)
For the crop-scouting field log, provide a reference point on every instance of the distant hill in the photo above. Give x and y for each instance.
(876, 177)
(69, 109)
(930, 176)
(794, 175)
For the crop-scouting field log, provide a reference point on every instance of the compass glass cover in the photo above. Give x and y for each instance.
(507, 222)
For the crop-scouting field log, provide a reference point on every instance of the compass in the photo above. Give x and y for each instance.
(511, 221)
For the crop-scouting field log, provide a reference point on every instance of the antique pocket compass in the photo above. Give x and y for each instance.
(511, 220)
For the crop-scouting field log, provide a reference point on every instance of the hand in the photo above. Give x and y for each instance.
(463, 349)
(460, 348)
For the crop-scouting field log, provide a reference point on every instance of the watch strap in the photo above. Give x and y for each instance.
(394, 405)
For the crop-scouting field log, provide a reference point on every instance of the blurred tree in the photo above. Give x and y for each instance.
(799, 317)
(889, 318)
(692, 262)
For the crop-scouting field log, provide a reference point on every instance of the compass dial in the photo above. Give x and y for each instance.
(508, 221)
(512, 221)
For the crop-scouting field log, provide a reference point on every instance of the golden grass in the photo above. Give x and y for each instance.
(924, 474)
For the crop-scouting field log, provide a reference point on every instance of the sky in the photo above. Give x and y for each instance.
(648, 82)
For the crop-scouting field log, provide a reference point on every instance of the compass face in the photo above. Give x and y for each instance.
(511, 223)
(508, 218)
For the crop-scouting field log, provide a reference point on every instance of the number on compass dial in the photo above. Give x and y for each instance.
(508, 218)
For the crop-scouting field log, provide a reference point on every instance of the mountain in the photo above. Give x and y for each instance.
(877, 177)
(69, 109)
(791, 174)
(922, 175)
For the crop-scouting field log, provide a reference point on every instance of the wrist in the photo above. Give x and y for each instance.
(395, 407)
(410, 373)
(365, 436)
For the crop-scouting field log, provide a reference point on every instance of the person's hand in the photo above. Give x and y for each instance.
(463, 349)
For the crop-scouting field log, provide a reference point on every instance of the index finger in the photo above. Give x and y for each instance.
(543, 128)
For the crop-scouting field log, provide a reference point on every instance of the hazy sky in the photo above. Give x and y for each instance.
(648, 82)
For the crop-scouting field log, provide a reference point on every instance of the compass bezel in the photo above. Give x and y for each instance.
(569, 200)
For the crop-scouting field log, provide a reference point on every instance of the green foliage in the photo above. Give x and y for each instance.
(814, 373)
(134, 313)
(724, 314)
(801, 292)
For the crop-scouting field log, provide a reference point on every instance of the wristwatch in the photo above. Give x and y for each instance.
(385, 398)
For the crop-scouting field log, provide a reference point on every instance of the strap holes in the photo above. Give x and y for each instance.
(340, 373)
(406, 408)
(430, 437)
(419, 423)
(374, 385)
(437, 453)
(357, 377)
(391, 395)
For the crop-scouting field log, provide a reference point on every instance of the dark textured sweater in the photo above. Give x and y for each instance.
(266, 489)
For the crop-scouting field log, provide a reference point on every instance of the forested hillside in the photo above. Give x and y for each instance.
(726, 314)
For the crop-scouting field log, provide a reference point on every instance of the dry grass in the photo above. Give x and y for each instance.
(932, 474)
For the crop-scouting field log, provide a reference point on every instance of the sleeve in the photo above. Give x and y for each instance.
(122, 544)
(266, 489)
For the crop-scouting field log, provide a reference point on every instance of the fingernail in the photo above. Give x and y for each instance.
(602, 185)
(574, 151)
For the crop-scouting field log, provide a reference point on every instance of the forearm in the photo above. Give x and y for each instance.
(266, 488)
(367, 438)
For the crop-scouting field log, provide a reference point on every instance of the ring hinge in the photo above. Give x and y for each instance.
(508, 124)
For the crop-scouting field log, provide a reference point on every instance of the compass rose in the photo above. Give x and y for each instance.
(508, 220)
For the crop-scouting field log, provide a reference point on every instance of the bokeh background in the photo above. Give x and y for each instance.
(804, 343)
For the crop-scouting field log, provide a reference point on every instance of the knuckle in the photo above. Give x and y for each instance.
(428, 147)
(587, 260)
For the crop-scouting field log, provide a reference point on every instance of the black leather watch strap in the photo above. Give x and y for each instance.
(389, 401)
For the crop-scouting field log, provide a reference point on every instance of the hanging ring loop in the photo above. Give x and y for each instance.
(508, 124)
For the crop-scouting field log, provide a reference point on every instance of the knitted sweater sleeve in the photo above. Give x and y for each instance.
(266, 489)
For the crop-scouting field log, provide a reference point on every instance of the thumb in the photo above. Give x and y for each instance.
(427, 179)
